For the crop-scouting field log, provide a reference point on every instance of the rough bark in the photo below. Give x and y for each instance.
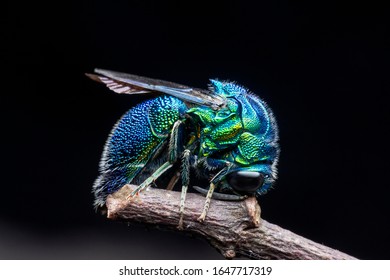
(234, 228)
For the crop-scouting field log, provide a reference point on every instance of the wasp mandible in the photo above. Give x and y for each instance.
(228, 135)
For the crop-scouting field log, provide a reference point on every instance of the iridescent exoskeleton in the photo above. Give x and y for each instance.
(226, 134)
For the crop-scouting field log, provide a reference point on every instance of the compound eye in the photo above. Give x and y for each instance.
(245, 181)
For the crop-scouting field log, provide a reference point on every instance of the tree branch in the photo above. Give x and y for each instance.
(234, 228)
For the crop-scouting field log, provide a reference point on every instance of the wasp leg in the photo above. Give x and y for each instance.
(206, 206)
(172, 158)
(173, 181)
(185, 182)
(174, 142)
(213, 181)
(221, 196)
(174, 152)
(151, 179)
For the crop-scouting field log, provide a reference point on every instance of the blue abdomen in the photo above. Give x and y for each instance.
(133, 141)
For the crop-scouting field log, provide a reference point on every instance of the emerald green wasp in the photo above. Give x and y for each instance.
(226, 134)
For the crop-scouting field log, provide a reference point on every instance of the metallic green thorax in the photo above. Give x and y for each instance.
(244, 122)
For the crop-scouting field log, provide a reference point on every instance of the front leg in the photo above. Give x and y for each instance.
(215, 180)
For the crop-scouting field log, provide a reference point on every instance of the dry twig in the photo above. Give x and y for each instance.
(234, 228)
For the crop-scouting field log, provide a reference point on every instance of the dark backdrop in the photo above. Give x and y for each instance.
(323, 69)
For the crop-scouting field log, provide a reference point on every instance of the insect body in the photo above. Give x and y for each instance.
(226, 134)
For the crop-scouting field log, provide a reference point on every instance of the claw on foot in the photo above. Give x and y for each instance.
(129, 197)
(201, 218)
(180, 225)
(135, 192)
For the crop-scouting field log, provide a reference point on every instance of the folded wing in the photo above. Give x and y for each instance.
(132, 84)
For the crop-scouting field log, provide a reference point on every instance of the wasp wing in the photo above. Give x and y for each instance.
(133, 84)
(117, 86)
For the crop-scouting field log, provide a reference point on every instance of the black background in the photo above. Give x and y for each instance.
(322, 68)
